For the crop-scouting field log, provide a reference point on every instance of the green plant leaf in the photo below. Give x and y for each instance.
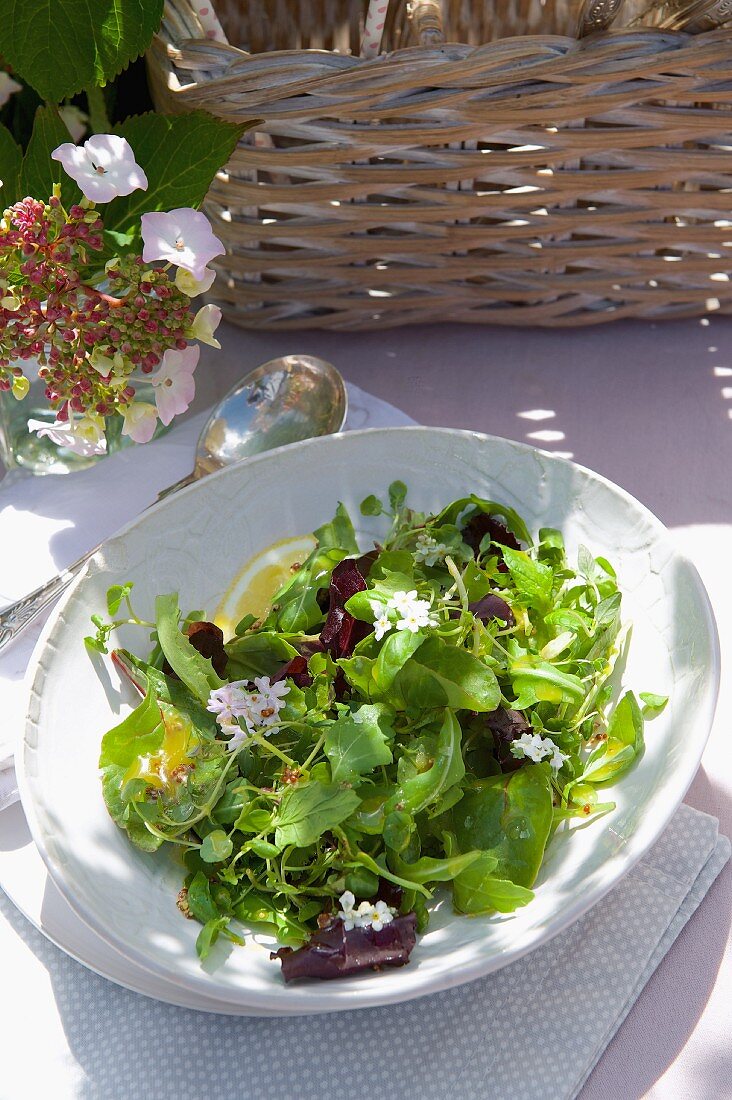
(416, 793)
(260, 654)
(509, 817)
(359, 742)
(11, 158)
(180, 155)
(216, 847)
(63, 46)
(532, 579)
(141, 732)
(427, 869)
(308, 810)
(195, 671)
(338, 532)
(477, 890)
(38, 173)
(439, 675)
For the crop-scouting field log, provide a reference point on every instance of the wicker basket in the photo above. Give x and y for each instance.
(531, 180)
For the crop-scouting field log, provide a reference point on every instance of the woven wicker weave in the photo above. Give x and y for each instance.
(530, 180)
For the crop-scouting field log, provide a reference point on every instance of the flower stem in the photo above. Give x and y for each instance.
(98, 117)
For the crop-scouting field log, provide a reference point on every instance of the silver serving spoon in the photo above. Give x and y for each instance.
(283, 401)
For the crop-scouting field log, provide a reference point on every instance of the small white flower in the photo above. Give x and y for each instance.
(175, 386)
(558, 758)
(104, 167)
(205, 323)
(229, 703)
(382, 626)
(346, 913)
(429, 550)
(183, 237)
(238, 739)
(415, 616)
(532, 746)
(373, 915)
(401, 602)
(268, 700)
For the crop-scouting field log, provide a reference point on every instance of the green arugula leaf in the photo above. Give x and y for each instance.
(140, 733)
(439, 674)
(509, 817)
(427, 869)
(310, 809)
(338, 533)
(624, 744)
(195, 671)
(532, 579)
(477, 890)
(260, 654)
(416, 793)
(359, 741)
(216, 847)
(63, 46)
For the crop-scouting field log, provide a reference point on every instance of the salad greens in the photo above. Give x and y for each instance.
(422, 715)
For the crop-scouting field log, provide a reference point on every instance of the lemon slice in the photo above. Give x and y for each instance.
(251, 591)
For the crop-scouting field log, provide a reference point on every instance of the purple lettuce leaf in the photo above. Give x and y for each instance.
(342, 632)
(334, 953)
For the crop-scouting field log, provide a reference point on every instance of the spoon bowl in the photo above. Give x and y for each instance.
(283, 401)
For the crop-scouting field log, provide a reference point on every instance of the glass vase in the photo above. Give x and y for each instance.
(21, 448)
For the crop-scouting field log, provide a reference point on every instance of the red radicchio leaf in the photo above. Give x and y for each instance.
(484, 524)
(342, 632)
(208, 639)
(492, 607)
(334, 953)
(506, 726)
(297, 670)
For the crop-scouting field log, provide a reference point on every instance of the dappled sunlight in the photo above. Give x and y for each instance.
(545, 436)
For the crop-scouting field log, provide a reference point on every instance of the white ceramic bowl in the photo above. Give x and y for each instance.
(197, 540)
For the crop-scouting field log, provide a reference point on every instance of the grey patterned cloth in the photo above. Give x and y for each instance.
(532, 1031)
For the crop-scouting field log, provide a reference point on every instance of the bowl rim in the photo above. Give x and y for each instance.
(314, 997)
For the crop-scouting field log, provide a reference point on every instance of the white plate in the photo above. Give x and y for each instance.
(195, 541)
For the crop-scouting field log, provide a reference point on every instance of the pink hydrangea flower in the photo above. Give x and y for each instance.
(175, 386)
(104, 167)
(8, 87)
(205, 323)
(192, 287)
(140, 421)
(84, 437)
(183, 237)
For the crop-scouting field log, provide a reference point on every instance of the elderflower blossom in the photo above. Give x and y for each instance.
(257, 709)
(428, 550)
(103, 167)
(534, 747)
(347, 912)
(382, 622)
(374, 915)
(368, 915)
(414, 613)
